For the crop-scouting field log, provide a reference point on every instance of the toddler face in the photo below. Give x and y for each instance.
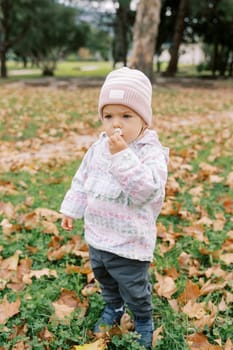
(124, 118)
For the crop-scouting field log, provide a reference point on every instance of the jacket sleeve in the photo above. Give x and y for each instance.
(75, 200)
(143, 180)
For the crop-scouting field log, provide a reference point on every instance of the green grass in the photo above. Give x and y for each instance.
(64, 69)
(85, 69)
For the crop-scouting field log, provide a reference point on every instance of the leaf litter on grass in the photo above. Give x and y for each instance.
(192, 270)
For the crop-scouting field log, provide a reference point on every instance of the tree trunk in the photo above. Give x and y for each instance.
(3, 64)
(121, 32)
(177, 38)
(145, 35)
(4, 27)
(224, 59)
(230, 71)
(215, 60)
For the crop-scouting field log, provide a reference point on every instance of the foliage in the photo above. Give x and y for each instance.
(53, 35)
(206, 21)
(99, 42)
(43, 33)
(48, 298)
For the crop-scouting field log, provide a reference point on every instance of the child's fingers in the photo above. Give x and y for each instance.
(67, 223)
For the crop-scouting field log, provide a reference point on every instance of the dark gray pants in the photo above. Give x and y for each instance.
(123, 281)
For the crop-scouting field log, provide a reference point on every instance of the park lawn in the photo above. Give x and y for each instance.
(64, 69)
(85, 69)
(44, 270)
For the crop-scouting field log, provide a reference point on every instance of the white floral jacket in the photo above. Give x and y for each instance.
(120, 196)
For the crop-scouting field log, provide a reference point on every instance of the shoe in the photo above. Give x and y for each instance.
(145, 328)
(109, 317)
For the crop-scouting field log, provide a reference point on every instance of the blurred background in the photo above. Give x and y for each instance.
(65, 38)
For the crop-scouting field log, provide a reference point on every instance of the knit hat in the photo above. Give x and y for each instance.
(128, 87)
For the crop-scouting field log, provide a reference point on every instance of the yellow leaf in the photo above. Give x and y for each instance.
(100, 344)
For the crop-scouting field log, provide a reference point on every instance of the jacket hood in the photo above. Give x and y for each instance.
(151, 137)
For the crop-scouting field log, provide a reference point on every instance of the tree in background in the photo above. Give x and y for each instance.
(99, 41)
(44, 34)
(144, 35)
(124, 20)
(214, 26)
(16, 17)
(53, 35)
(177, 38)
(168, 16)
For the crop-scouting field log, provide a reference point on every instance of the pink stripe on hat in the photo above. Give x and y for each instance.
(128, 87)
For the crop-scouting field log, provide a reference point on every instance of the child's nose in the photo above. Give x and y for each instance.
(117, 123)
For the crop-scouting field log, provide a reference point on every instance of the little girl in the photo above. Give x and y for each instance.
(119, 189)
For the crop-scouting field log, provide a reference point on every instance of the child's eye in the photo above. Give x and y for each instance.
(127, 116)
(107, 116)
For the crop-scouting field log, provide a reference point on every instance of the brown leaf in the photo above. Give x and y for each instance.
(165, 287)
(229, 181)
(45, 334)
(172, 272)
(222, 306)
(84, 270)
(172, 186)
(194, 310)
(7, 310)
(228, 205)
(170, 208)
(185, 260)
(156, 336)
(227, 258)
(174, 304)
(228, 345)
(215, 271)
(43, 272)
(57, 254)
(199, 341)
(209, 287)
(48, 214)
(126, 323)
(191, 292)
(9, 228)
(62, 311)
(197, 231)
(207, 319)
(67, 303)
(50, 228)
(8, 210)
(11, 263)
(206, 170)
(90, 289)
(20, 345)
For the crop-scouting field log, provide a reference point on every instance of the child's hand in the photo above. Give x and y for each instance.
(67, 223)
(117, 143)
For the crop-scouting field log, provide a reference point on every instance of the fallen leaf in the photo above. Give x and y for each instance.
(228, 345)
(190, 293)
(165, 287)
(126, 323)
(43, 272)
(67, 303)
(156, 336)
(229, 181)
(99, 344)
(199, 341)
(7, 310)
(227, 258)
(90, 289)
(210, 287)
